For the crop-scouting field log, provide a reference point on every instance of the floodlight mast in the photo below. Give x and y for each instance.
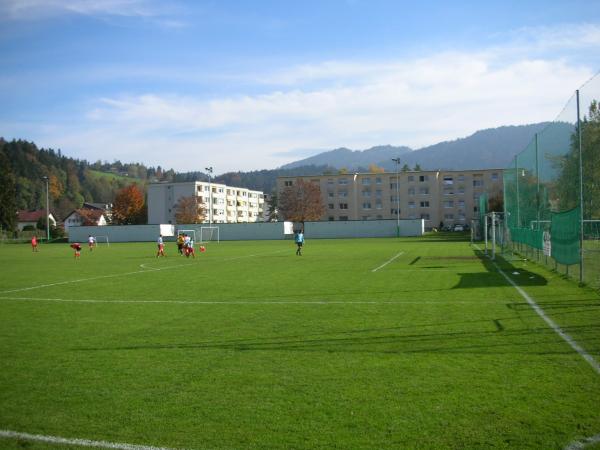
(210, 171)
(47, 209)
(397, 161)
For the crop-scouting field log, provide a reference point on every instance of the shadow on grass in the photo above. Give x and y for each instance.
(499, 339)
(493, 278)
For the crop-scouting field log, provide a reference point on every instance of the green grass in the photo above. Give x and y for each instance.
(114, 176)
(434, 350)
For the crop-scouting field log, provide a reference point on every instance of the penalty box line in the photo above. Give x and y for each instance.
(387, 262)
(557, 329)
(8, 434)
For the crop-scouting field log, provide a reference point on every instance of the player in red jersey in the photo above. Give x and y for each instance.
(77, 247)
(34, 244)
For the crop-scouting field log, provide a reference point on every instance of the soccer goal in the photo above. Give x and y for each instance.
(190, 233)
(209, 234)
(103, 239)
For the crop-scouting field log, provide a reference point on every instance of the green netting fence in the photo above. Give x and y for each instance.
(552, 191)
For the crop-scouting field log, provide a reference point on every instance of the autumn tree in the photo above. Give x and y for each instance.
(188, 210)
(128, 208)
(374, 168)
(301, 202)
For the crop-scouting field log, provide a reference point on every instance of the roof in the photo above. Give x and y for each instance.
(31, 216)
(102, 206)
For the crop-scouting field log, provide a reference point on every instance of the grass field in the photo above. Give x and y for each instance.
(357, 344)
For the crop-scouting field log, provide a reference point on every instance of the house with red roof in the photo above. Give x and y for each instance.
(25, 218)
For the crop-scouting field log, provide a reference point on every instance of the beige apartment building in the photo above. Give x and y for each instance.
(441, 197)
(222, 203)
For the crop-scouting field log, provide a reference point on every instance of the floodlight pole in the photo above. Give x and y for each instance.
(580, 192)
(397, 161)
(47, 210)
(210, 171)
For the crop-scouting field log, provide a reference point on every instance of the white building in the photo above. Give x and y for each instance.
(222, 203)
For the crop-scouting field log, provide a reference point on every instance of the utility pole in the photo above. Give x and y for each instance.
(47, 210)
(397, 161)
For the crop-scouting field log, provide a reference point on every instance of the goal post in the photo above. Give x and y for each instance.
(210, 234)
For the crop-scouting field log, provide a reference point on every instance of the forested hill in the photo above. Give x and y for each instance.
(71, 181)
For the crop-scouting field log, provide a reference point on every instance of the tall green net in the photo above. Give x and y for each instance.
(552, 190)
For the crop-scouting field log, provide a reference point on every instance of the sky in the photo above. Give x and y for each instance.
(250, 85)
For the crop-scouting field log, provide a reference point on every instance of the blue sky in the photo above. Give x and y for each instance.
(244, 85)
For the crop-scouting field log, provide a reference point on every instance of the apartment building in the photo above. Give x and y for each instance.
(222, 203)
(441, 197)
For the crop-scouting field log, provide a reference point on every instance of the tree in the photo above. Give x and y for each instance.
(343, 171)
(8, 206)
(188, 210)
(274, 208)
(128, 207)
(374, 168)
(301, 202)
(405, 168)
(417, 168)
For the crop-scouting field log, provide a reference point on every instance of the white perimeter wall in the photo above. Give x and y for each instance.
(257, 231)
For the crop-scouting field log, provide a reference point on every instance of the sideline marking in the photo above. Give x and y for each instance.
(81, 442)
(577, 445)
(259, 302)
(387, 262)
(540, 312)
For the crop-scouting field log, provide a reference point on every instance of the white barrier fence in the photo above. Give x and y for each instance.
(257, 231)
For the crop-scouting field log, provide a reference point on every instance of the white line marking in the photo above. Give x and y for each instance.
(81, 442)
(574, 345)
(387, 262)
(258, 302)
(143, 266)
(577, 445)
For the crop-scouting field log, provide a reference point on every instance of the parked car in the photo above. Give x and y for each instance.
(459, 227)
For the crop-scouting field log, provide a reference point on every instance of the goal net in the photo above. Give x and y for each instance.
(101, 240)
(190, 233)
(208, 234)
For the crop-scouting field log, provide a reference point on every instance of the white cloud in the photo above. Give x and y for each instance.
(45, 9)
(413, 103)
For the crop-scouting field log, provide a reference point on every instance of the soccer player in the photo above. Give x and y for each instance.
(91, 242)
(34, 244)
(161, 246)
(180, 243)
(189, 250)
(77, 247)
(299, 239)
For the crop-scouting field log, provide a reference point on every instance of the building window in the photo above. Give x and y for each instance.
(343, 205)
(378, 206)
(411, 191)
(366, 217)
(285, 183)
(424, 191)
(378, 180)
(448, 191)
(411, 178)
(411, 204)
(494, 176)
(393, 198)
(342, 194)
(449, 204)
(343, 217)
(449, 216)
(379, 217)
(448, 180)
(477, 183)
(331, 206)
(343, 181)
(394, 211)
(461, 203)
(366, 193)
(330, 182)
(378, 193)
(366, 181)
(423, 178)
(461, 177)
(330, 195)
(366, 205)
(425, 216)
(424, 204)
(393, 185)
